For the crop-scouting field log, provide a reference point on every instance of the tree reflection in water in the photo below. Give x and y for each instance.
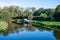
(57, 35)
(16, 28)
(12, 28)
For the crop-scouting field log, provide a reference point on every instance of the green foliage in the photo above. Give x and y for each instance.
(57, 13)
(7, 13)
(2, 23)
(33, 9)
(44, 15)
(57, 9)
(41, 10)
(38, 12)
(30, 16)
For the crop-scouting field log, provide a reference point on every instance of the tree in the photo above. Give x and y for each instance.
(5, 14)
(41, 10)
(38, 12)
(14, 10)
(57, 13)
(50, 13)
(0, 12)
(33, 9)
(57, 10)
(30, 16)
(43, 16)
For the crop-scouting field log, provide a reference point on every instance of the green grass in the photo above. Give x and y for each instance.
(2, 25)
(48, 23)
(2, 28)
(51, 23)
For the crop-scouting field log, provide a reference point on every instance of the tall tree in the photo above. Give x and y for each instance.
(57, 13)
(50, 13)
(39, 11)
(33, 9)
(30, 16)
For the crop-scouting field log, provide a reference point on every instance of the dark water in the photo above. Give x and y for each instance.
(20, 32)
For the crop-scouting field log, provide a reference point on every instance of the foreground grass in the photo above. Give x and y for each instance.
(48, 23)
(2, 25)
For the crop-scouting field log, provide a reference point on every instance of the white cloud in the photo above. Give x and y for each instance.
(2, 4)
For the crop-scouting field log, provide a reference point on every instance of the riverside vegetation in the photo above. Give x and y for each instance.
(47, 17)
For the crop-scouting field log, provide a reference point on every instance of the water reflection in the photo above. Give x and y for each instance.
(17, 28)
(57, 35)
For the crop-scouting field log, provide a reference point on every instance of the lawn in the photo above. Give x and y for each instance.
(49, 23)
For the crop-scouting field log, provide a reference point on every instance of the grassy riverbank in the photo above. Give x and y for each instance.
(3, 25)
(47, 23)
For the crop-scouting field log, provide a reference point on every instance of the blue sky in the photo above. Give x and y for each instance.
(31, 3)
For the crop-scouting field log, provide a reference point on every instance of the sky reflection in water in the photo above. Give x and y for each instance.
(30, 35)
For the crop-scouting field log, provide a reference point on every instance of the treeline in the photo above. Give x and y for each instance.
(48, 14)
(7, 13)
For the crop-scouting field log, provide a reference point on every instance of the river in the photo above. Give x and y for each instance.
(21, 32)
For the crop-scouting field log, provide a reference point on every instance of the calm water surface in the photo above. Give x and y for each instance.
(20, 32)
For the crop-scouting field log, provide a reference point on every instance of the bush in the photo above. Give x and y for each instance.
(3, 25)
